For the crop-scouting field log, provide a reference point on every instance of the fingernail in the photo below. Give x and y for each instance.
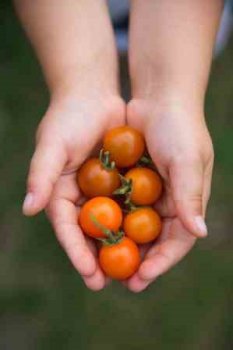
(201, 225)
(28, 202)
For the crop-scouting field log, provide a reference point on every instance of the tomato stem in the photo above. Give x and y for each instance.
(129, 205)
(117, 239)
(125, 191)
(125, 188)
(111, 238)
(145, 160)
(104, 157)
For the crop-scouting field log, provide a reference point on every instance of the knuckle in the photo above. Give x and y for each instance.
(209, 157)
(194, 199)
(191, 197)
(207, 151)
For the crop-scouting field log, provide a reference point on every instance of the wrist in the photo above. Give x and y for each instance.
(166, 97)
(93, 104)
(173, 107)
(166, 84)
(90, 83)
(85, 71)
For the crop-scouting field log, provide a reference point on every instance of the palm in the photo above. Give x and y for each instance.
(63, 211)
(168, 145)
(78, 128)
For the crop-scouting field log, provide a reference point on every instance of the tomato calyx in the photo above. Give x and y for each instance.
(129, 206)
(111, 237)
(115, 239)
(104, 157)
(145, 161)
(126, 187)
(125, 191)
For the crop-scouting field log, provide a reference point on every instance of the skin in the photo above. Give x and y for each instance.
(106, 212)
(126, 146)
(170, 59)
(84, 91)
(146, 186)
(121, 260)
(94, 180)
(142, 225)
(169, 80)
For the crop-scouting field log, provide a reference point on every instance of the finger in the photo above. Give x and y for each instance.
(143, 249)
(163, 256)
(46, 166)
(187, 180)
(166, 206)
(207, 187)
(63, 215)
(97, 281)
(136, 283)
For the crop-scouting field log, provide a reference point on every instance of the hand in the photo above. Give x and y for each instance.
(68, 133)
(180, 146)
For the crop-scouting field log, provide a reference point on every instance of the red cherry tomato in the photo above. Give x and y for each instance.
(125, 144)
(95, 180)
(146, 186)
(121, 260)
(142, 225)
(103, 210)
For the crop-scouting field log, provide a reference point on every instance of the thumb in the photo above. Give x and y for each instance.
(187, 187)
(46, 166)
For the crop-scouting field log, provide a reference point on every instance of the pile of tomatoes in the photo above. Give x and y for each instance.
(121, 187)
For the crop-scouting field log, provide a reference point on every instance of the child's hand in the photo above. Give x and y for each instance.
(68, 133)
(181, 148)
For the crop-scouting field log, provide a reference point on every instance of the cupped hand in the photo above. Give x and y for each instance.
(180, 146)
(69, 132)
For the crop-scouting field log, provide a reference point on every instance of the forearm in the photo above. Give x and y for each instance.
(171, 44)
(74, 43)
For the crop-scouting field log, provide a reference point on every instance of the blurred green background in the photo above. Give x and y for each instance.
(43, 303)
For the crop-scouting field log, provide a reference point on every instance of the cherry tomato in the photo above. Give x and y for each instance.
(125, 144)
(146, 186)
(142, 225)
(120, 260)
(105, 211)
(95, 180)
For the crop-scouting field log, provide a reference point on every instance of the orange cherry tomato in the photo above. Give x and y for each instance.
(142, 225)
(95, 180)
(120, 260)
(125, 144)
(105, 211)
(146, 186)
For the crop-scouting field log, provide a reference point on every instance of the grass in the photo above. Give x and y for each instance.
(43, 303)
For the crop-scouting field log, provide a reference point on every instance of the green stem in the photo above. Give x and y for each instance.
(111, 238)
(145, 161)
(129, 205)
(104, 157)
(126, 187)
